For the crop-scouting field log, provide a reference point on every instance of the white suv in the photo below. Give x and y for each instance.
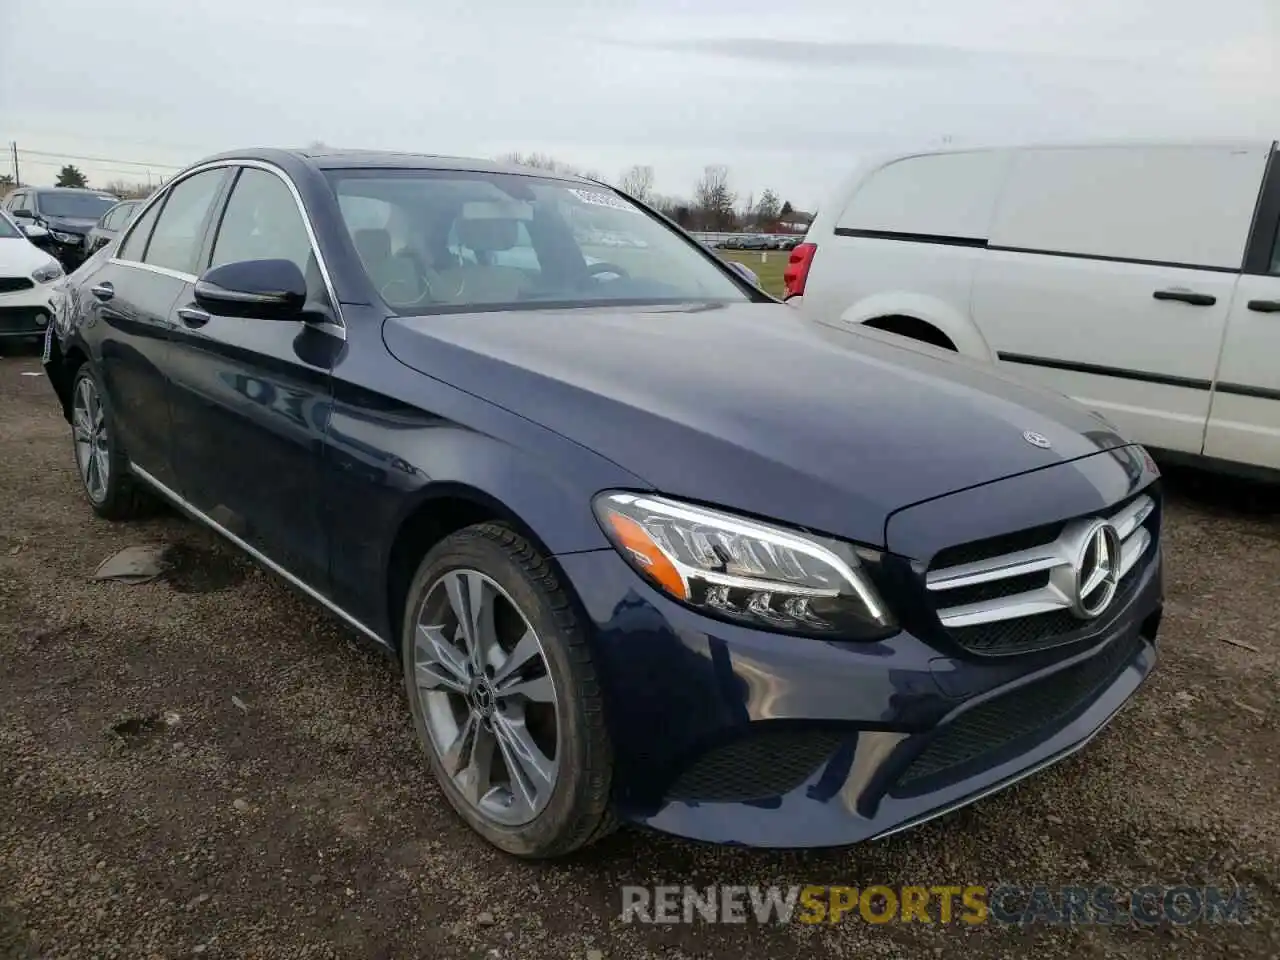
(1141, 279)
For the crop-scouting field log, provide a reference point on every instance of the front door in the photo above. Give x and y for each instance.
(131, 297)
(250, 395)
(1109, 274)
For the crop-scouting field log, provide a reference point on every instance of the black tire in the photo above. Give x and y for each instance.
(579, 810)
(123, 498)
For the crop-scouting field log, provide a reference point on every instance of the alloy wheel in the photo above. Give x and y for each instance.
(89, 428)
(486, 697)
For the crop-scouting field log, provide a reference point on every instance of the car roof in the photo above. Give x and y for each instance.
(96, 193)
(329, 158)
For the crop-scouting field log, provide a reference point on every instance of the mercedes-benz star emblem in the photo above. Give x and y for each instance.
(1036, 439)
(1097, 571)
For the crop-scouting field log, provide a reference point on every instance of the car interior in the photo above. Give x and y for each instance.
(440, 243)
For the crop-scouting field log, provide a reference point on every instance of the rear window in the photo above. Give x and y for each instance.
(433, 241)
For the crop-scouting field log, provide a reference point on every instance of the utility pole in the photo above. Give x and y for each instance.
(17, 178)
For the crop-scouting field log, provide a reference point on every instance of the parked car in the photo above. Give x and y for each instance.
(27, 277)
(109, 226)
(1142, 279)
(647, 545)
(68, 213)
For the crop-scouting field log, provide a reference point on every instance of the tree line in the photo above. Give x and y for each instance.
(714, 205)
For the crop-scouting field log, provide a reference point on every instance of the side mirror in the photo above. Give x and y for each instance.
(22, 214)
(257, 289)
(745, 272)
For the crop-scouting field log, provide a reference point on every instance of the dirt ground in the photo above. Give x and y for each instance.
(209, 765)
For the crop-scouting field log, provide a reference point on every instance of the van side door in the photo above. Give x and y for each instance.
(1244, 421)
(1109, 272)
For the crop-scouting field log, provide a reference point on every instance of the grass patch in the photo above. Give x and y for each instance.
(767, 264)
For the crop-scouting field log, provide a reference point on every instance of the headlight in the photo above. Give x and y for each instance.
(50, 271)
(65, 237)
(746, 571)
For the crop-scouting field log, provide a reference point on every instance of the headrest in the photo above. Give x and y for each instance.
(488, 235)
(374, 246)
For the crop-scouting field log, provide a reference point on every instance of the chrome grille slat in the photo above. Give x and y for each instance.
(1058, 557)
(1133, 549)
(1026, 604)
(982, 571)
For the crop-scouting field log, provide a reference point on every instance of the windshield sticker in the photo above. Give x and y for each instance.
(602, 200)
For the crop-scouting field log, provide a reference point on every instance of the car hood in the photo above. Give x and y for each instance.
(78, 225)
(753, 408)
(19, 256)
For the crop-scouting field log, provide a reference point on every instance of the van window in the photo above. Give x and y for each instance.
(1170, 204)
(942, 195)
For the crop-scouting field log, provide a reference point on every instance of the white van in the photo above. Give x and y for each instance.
(1141, 279)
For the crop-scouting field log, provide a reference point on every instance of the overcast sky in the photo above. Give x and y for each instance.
(786, 93)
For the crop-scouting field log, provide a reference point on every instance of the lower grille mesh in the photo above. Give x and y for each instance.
(757, 767)
(1036, 710)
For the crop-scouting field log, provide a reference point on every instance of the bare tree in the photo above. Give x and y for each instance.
(541, 161)
(768, 210)
(637, 182)
(127, 190)
(713, 200)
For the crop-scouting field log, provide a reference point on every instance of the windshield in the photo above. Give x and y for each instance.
(450, 240)
(8, 229)
(86, 206)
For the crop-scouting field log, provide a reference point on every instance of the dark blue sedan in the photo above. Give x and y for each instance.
(648, 545)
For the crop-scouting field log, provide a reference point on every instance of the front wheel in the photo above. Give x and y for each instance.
(100, 458)
(504, 694)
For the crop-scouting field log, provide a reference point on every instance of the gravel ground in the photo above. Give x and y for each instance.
(208, 765)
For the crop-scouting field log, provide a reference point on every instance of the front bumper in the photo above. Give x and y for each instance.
(26, 313)
(739, 736)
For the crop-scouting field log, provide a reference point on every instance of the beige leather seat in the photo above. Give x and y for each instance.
(482, 282)
(394, 276)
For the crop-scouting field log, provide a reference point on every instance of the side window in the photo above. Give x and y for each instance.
(136, 242)
(110, 219)
(1275, 254)
(175, 242)
(261, 222)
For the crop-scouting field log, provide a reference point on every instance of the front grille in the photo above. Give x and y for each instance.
(1013, 594)
(14, 284)
(1022, 718)
(758, 766)
(21, 320)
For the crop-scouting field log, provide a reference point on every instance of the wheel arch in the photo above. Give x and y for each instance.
(443, 509)
(885, 310)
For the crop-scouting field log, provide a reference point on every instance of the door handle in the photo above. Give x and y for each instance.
(192, 316)
(1265, 306)
(103, 291)
(1187, 296)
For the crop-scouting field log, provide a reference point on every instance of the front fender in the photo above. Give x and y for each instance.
(955, 323)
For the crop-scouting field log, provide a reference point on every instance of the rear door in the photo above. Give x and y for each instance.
(1244, 422)
(129, 299)
(1109, 273)
(251, 395)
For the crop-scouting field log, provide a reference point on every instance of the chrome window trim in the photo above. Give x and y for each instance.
(337, 328)
(262, 558)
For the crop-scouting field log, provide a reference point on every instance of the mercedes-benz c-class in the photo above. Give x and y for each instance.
(648, 546)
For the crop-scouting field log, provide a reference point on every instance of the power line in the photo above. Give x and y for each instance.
(131, 172)
(71, 156)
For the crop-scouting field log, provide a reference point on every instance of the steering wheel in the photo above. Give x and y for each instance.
(596, 269)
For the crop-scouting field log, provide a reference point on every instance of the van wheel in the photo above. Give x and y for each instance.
(504, 695)
(913, 328)
(103, 466)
